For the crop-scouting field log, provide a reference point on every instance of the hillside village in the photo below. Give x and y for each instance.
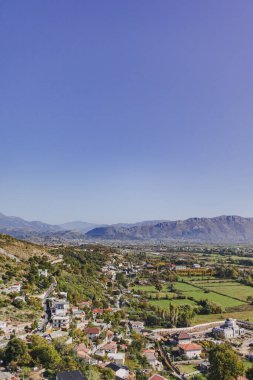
(99, 312)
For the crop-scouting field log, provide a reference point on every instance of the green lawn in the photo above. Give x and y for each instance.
(186, 368)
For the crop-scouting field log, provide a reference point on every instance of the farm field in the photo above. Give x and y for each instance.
(165, 304)
(233, 290)
(198, 294)
(243, 315)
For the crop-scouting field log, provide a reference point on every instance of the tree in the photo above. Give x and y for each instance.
(16, 350)
(225, 364)
(44, 353)
(249, 373)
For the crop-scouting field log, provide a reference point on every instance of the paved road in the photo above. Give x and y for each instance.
(47, 294)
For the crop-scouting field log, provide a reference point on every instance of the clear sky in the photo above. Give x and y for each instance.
(121, 111)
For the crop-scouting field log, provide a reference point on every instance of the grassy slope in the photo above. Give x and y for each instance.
(21, 249)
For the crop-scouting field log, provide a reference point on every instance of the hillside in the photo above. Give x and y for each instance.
(222, 229)
(20, 249)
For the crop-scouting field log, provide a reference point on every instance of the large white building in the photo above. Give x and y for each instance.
(228, 330)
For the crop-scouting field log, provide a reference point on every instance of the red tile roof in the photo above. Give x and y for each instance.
(157, 377)
(190, 347)
(92, 330)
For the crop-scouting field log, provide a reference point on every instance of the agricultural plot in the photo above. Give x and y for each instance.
(165, 304)
(199, 294)
(228, 288)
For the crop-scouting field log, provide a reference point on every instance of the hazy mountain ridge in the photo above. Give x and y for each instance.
(223, 229)
(41, 232)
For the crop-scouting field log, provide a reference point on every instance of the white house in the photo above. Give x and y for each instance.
(92, 332)
(121, 372)
(43, 272)
(137, 325)
(15, 288)
(60, 307)
(60, 321)
(118, 358)
(3, 326)
(191, 350)
(150, 355)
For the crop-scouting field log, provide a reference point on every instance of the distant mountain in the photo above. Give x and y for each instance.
(19, 227)
(79, 226)
(221, 229)
(40, 232)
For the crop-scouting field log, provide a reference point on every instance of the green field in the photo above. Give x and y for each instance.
(232, 290)
(243, 315)
(198, 294)
(165, 304)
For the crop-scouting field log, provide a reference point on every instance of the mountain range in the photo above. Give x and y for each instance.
(220, 229)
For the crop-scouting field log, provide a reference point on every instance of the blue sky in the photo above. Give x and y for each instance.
(120, 111)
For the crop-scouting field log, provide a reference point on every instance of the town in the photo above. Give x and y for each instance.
(101, 312)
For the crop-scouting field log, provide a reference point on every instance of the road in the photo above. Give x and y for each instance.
(7, 254)
(47, 294)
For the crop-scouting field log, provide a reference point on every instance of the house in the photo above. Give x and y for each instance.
(182, 337)
(110, 347)
(137, 325)
(15, 288)
(92, 332)
(150, 355)
(60, 321)
(70, 375)
(204, 366)
(78, 314)
(157, 377)
(83, 353)
(3, 326)
(228, 330)
(121, 372)
(109, 335)
(191, 350)
(118, 357)
(42, 272)
(60, 307)
(196, 266)
(97, 313)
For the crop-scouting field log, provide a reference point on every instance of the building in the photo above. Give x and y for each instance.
(83, 353)
(60, 321)
(150, 355)
(157, 377)
(60, 307)
(121, 372)
(70, 375)
(137, 325)
(182, 338)
(15, 288)
(42, 272)
(117, 358)
(92, 332)
(3, 326)
(228, 330)
(110, 347)
(190, 350)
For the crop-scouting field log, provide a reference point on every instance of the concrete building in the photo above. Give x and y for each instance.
(228, 330)
(60, 321)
